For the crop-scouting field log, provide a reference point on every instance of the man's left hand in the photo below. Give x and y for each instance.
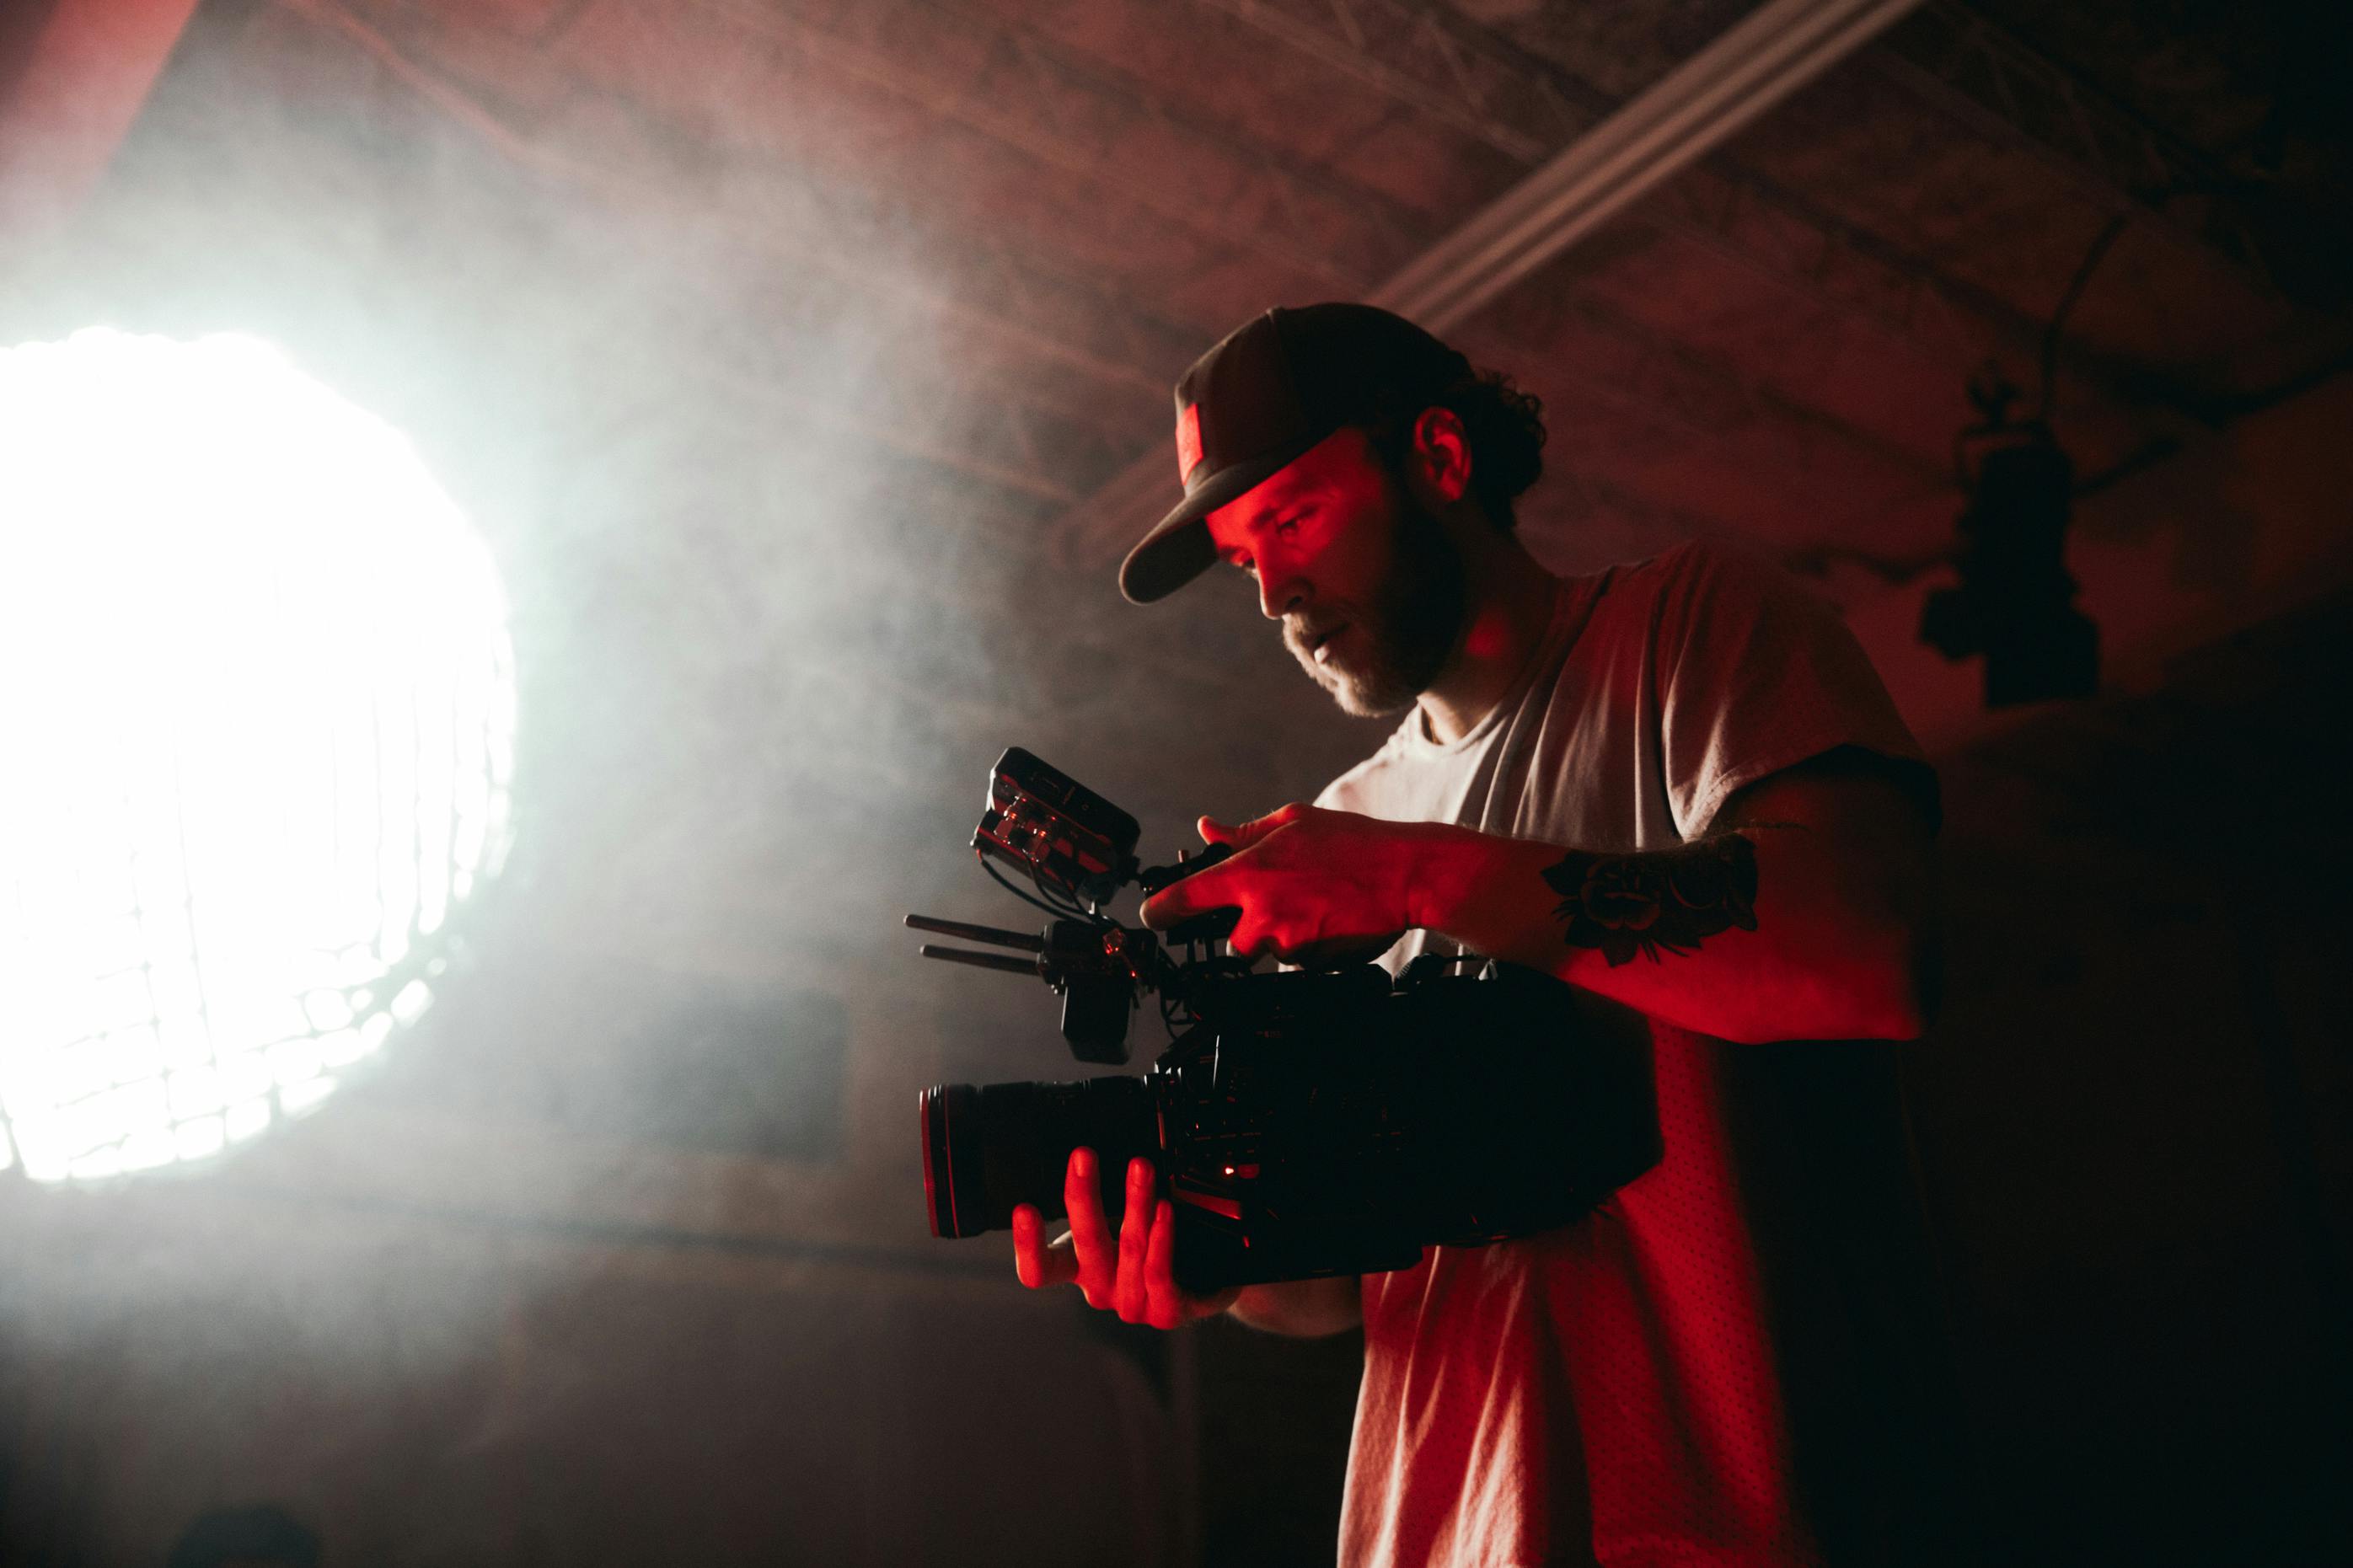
(1311, 885)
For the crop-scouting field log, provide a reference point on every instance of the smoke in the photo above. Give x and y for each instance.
(754, 472)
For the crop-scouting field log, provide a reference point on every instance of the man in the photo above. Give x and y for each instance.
(1679, 787)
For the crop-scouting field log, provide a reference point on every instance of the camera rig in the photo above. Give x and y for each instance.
(1304, 1122)
(1078, 850)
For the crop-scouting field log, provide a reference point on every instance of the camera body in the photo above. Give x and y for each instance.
(1303, 1124)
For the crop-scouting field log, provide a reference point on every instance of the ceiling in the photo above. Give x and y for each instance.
(1033, 214)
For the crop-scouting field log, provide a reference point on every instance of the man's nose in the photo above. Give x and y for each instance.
(1278, 594)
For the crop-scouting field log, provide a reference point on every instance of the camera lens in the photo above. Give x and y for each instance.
(988, 1147)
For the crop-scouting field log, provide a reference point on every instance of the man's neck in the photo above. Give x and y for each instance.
(1509, 601)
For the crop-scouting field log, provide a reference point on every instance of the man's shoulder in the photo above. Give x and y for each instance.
(1624, 606)
(1625, 596)
(1698, 563)
(1697, 591)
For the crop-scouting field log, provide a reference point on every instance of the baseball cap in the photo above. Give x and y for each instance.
(1270, 389)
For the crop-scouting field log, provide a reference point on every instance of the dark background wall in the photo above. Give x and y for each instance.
(2133, 1115)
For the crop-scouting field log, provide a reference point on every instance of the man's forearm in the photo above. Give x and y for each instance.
(1303, 1309)
(1751, 935)
(1815, 922)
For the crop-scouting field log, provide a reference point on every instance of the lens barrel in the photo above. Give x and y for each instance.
(989, 1147)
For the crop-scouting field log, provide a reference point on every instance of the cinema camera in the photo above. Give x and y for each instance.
(1303, 1122)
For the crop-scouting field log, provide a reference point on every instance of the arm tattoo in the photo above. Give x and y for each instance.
(1663, 901)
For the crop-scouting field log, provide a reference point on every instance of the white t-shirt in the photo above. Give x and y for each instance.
(1635, 1388)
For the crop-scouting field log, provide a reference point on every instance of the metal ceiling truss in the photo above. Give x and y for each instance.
(1027, 92)
(1528, 107)
(1774, 51)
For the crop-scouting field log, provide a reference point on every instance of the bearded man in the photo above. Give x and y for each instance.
(1679, 787)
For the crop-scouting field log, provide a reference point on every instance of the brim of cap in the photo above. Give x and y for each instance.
(1179, 549)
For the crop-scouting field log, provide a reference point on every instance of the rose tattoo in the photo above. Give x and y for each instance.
(1664, 902)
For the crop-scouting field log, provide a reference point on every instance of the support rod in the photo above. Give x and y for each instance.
(1024, 940)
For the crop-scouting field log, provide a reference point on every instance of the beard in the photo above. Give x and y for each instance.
(1395, 644)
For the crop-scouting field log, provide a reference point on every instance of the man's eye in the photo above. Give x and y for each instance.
(1286, 528)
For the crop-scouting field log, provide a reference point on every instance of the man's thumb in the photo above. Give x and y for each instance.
(1242, 834)
(1239, 835)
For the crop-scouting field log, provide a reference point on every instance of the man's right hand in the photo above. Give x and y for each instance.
(1131, 1273)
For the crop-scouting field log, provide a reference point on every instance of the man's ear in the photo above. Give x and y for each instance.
(1441, 457)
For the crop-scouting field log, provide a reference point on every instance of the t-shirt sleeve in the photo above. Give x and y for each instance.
(1756, 675)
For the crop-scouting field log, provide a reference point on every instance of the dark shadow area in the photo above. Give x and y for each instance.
(2134, 1114)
